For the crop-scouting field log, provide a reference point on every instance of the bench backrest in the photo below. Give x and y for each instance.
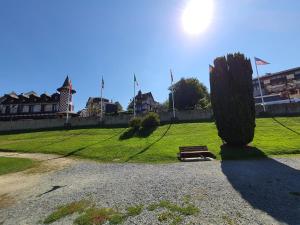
(192, 148)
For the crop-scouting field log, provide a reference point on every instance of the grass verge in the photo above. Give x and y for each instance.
(12, 165)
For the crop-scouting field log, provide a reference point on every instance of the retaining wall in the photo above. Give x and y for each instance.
(122, 120)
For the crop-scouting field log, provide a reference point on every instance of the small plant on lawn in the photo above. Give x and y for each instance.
(67, 210)
(134, 210)
(151, 120)
(135, 123)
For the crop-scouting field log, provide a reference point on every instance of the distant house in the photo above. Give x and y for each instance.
(93, 107)
(280, 86)
(144, 103)
(30, 105)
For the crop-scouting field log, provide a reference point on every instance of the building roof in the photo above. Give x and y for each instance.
(66, 86)
(279, 73)
(96, 100)
(144, 96)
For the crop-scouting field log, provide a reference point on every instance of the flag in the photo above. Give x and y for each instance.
(172, 79)
(210, 68)
(135, 81)
(260, 62)
(102, 83)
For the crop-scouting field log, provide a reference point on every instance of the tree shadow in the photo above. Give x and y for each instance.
(128, 133)
(283, 125)
(150, 145)
(85, 147)
(267, 184)
(133, 132)
(146, 132)
(247, 152)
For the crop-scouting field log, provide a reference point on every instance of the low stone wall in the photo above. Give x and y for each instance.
(280, 110)
(122, 120)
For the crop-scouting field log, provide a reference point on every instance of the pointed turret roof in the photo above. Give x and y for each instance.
(66, 86)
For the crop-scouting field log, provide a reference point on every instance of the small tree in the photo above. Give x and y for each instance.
(232, 98)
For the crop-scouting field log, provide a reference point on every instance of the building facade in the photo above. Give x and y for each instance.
(30, 105)
(93, 107)
(144, 103)
(284, 85)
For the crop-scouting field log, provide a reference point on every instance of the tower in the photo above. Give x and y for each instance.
(66, 91)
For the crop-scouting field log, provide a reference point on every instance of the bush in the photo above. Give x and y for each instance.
(232, 99)
(151, 120)
(135, 123)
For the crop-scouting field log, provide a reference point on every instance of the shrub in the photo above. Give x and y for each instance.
(151, 120)
(135, 123)
(232, 99)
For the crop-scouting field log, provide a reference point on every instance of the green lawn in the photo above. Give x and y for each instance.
(271, 137)
(11, 165)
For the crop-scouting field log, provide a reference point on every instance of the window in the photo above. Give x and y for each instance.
(7, 109)
(20, 109)
(31, 109)
(54, 107)
(42, 108)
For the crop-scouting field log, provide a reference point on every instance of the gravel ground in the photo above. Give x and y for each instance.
(230, 192)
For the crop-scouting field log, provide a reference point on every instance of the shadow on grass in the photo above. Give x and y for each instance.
(283, 125)
(87, 146)
(132, 132)
(150, 145)
(268, 184)
(128, 133)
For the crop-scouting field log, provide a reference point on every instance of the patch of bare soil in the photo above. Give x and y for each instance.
(17, 186)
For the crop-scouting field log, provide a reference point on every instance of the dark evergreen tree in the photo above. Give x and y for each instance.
(232, 98)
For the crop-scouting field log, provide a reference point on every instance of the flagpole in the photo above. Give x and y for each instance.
(172, 90)
(134, 96)
(258, 79)
(101, 115)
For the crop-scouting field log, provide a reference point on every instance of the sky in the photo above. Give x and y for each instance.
(43, 41)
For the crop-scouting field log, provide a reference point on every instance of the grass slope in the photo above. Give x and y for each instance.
(273, 137)
(11, 165)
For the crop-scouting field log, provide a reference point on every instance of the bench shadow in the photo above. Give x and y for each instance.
(267, 184)
(283, 125)
(150, 145)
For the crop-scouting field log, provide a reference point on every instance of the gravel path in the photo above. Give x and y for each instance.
(230, 192)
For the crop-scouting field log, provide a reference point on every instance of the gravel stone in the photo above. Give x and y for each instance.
(228, 192)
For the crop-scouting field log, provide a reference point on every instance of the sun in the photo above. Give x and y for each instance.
(197, 16)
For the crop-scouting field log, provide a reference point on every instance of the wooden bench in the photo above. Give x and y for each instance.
(194, 152)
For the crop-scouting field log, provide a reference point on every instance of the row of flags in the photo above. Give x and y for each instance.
(136, 84)
(258, 62)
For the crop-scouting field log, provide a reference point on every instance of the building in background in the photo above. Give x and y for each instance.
(93, 107)
(144, 103)
(30, 105)
(278, 87)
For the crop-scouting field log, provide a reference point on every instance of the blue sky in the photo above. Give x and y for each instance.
(43, 41)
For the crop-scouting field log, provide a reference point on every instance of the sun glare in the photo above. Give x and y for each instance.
(197, 16)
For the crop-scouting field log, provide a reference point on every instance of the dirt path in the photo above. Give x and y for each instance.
(17, 186)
